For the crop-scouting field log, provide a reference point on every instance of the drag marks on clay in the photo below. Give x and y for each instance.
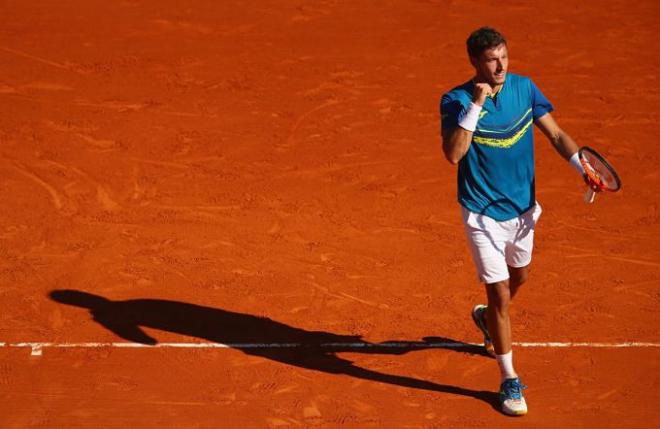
(607, 394)
(390, 229)
(386, 106)
(364, 301)
(311, 411)
(277, 422)
(567, 57)
(76, 192)
(289, 143)
(118, 106)
(55, 197)
(7, 89)
(104, 198)
(344, 296)
(5, 372)
(46, 86)
(40, 252)
(191, 27)
(103, 194)
(102, 145)
(633, 285)
(224, 214)
(195, 208)
(66, 67)
(576, 302)
(11, 231)
(80, 398)
(84, 134)
(603, 233)
(585, 253)
(481, 368)
(68, 127)
(36, 85)
(169, 164)
(615, 258)
(188, 114)
(217, 243)
(333, 168)
(313, 11)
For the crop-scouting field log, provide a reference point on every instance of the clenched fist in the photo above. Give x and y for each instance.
(481, 91)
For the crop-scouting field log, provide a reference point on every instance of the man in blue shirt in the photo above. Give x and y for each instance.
(487, 131)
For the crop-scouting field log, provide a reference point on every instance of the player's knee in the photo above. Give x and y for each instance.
(499, 296)
(518, 276)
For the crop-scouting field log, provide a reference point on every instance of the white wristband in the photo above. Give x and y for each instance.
(575, 162)
(469, 120)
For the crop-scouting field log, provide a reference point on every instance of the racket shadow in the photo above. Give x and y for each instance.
(260, 336)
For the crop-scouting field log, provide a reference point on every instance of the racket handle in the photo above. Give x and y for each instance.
(589, 196)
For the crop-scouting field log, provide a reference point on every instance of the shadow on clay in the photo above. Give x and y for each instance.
(317, 351)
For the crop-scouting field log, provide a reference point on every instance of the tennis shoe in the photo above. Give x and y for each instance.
(511, 397)
(479, 318)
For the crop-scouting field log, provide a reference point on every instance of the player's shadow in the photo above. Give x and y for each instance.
(260, 336)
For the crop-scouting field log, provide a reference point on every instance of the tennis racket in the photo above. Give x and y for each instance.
(601, 176)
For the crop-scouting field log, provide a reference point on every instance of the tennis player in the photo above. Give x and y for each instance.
(487, 130)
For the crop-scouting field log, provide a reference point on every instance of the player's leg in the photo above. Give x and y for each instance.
(518, 257)
(499, 326)
(487, 239)
(497, 316)
(519, 250)
(517, 276)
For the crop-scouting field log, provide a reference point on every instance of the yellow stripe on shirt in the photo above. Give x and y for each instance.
(503, 142)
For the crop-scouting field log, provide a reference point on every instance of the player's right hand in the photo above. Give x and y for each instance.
(481, 91)
(595, 186)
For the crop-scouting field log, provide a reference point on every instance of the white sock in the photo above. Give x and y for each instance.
(505, 362)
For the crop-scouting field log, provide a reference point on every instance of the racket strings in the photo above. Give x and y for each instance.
(594, 177)
(599, 173)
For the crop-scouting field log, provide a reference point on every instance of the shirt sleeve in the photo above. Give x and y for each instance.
(540, 104)
(451, 110)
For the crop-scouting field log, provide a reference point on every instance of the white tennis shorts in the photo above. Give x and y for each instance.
(496, 245)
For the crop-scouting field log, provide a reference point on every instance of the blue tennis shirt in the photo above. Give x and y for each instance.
(496, 175)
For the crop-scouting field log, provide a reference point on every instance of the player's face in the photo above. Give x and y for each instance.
(491, 65)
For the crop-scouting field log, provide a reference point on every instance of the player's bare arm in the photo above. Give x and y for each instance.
(456, 141)
(562, 142)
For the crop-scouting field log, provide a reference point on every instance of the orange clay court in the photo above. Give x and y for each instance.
(258, 188)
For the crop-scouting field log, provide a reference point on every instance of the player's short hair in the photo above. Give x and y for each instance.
(482, 39)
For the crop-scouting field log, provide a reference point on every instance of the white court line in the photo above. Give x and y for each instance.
(37, 347)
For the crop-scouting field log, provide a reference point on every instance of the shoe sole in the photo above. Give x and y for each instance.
(477, 321)
(514, 413)
(488, 343)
